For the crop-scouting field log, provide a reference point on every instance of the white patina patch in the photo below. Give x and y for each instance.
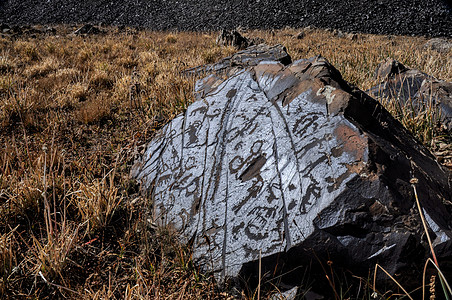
(383, 249)
(327, 91)
(441, 236)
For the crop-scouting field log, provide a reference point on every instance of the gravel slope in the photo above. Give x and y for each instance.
(409, 17)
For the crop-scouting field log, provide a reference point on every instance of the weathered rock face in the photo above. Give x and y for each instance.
(284, 161)
(246, 58)
(415, 88)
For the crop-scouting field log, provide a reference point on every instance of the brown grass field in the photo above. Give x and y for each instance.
(76, 111)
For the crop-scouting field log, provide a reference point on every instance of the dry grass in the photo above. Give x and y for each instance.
(74, 114)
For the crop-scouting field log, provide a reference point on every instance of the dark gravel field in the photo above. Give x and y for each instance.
(409, 17)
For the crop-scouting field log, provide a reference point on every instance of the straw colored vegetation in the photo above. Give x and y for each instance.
(75, 111)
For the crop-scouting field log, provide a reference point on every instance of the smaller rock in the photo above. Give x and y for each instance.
(4, 28)
(88, 29)
(300, 35)
(339, 34)
(50, 31)
(389, 68)
(412, 86)
(233, 38)
(32, 31)
(303, 32)
(438, 44)
(352, 36)
(438, 93)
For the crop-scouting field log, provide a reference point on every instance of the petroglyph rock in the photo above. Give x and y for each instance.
(286, 160)
(415, 88)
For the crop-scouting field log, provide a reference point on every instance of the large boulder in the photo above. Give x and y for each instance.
(290, 163)
(414, 88)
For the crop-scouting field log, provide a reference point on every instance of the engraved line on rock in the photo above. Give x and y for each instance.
(275, 150)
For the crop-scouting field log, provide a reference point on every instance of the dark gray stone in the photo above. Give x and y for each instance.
(50, 30)
(438, 44)
(389, 68)
(4, 28)
(287, 161)
(233, 38)
(339, 34)
(440, 94)
(300, 35)
(88, 29)
(415, 88)
(352, 36)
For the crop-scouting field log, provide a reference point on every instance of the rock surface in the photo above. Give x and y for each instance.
(233, 38)
(246, 58)
(413, 87)
(389, 68)
(87, 29)
(11, 31)
(440, 45)
(286, 161)
(427, 17)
